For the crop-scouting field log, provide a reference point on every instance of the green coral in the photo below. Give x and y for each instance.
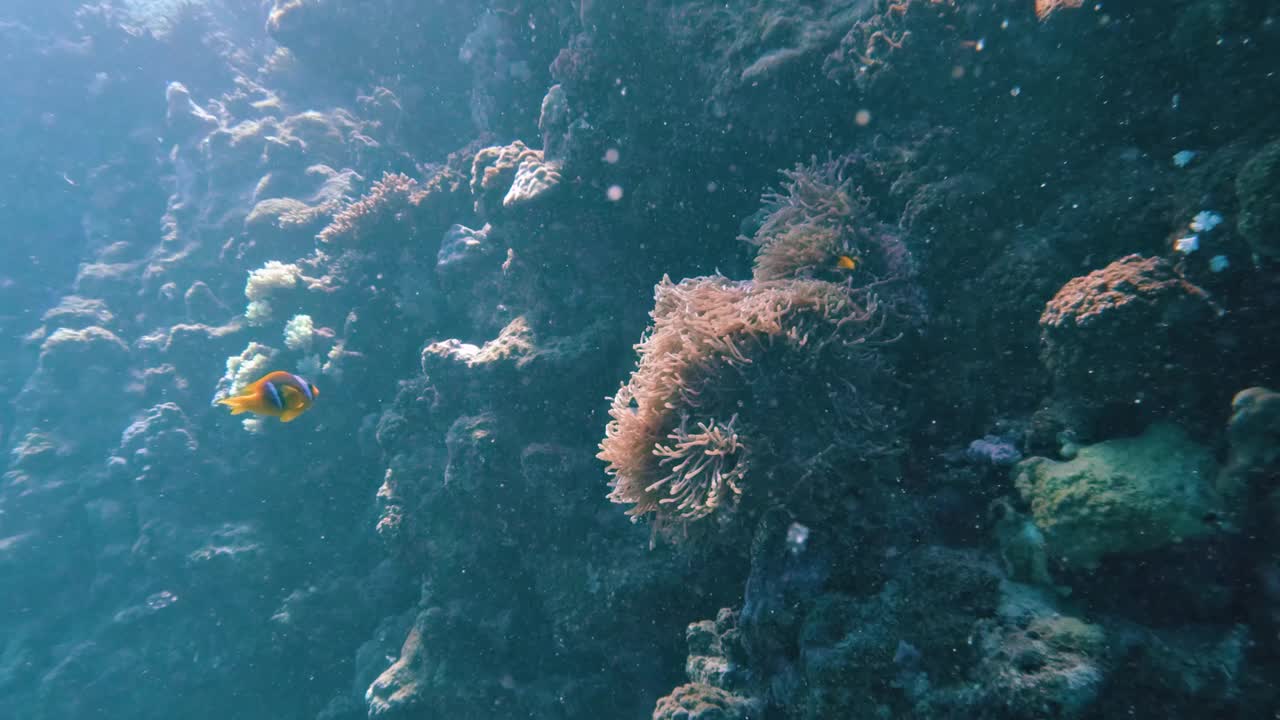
(1121, 496)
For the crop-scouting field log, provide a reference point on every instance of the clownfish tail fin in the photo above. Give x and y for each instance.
(237, 404)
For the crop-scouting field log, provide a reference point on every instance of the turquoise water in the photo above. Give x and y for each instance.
(675, 360)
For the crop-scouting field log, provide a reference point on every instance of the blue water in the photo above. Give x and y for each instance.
(675, 360)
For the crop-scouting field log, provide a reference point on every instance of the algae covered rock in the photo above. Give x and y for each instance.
(1121, 496)
(1259, 221)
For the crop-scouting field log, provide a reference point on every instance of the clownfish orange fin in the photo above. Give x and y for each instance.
(238, 404)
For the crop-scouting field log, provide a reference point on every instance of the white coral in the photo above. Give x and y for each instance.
(253, 362)
(299, 333)
(273, 276)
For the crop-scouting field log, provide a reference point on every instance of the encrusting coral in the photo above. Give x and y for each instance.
(1122, 496)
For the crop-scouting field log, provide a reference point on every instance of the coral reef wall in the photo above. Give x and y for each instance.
(686, 359)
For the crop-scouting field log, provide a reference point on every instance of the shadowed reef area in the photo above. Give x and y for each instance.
(678, 359)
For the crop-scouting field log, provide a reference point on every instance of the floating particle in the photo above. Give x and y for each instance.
(797, 536)
(1187, 245)
(1016, 90)
(957, 72)
(1004, 24)
(161, 600)
(611, 155)
(862, 117)
(712, 186)
(1218, 263)
(1183, 158)
(614, 193)
(1206, 220)
(980, 45)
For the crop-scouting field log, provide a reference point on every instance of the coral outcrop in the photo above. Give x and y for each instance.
(983, 230)
(1259, 220)
(1126, 337)
(1122, 496)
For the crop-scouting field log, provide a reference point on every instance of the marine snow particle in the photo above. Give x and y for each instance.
(1183, 158)
(1187, 245)
(1016, 90)
(1205, 220)
(980, 45)
(1218, 263)
(611, 155)
(161, 600)
(797, 536)
(614, 193)
(862, 117)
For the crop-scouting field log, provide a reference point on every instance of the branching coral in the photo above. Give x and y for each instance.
(388, 196)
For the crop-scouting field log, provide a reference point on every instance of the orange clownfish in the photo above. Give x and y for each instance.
(278, 394)
(848, 262)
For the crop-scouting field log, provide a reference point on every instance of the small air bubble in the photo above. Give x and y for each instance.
(611, 155)
(614, 193)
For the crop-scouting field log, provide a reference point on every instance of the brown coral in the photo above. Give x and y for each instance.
(1045, 8)
(1124, 330)
(386, 197)
(717, 345)
(494, 171)
(696, 701)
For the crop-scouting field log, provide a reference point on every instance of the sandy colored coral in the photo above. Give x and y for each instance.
(1122, 496)
(1045, 8)
(696, 701)
(534, 180)
(1253, 463)
(494, 171)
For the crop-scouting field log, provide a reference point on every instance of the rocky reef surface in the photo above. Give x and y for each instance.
(684, 360)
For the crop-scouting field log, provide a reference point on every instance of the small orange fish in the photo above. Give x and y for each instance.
(278, 394)
(846, 262)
